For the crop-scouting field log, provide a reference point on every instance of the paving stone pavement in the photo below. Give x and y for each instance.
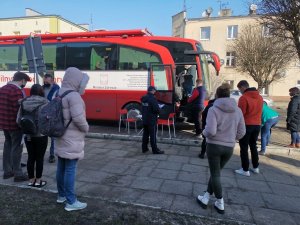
(117, 170)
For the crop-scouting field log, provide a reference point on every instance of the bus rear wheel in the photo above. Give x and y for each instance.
(135, 111)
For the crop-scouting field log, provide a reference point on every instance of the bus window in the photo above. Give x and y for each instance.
(136, 59)
(51, 56)
(103, 56)
(78, 55)
(9, 57)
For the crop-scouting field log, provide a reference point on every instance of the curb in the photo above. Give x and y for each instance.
(176, 141)
(272, 149)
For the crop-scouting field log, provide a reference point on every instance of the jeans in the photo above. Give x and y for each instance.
(36, 148)
(295, 137)
(266, 132)
(12, 152)
(217, 156)
(65, 178)
(250, 139)
(52, 147)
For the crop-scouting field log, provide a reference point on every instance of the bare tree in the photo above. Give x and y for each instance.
(263, 58)
(283, 18)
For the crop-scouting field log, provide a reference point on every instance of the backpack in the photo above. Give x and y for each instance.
(28, 121)
(50, 118)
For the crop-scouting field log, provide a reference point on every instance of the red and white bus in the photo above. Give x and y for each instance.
(121, 65)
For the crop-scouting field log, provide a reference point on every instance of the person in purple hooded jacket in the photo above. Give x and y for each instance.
(224, 125)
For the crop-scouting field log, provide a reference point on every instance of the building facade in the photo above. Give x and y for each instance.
(35, 22)
(217, 33)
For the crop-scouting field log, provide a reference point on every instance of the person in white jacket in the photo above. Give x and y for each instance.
(70, 147)
(224, 125)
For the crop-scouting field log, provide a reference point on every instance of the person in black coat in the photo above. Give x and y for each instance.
(204, 115)
(293, 117)
(150, 112)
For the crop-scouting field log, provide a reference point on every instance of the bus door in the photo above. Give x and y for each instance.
(162, 77)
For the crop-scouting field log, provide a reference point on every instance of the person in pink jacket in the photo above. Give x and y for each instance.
(70, 147)
(224, 125)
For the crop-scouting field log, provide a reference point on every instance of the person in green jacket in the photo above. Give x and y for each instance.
(269, 119)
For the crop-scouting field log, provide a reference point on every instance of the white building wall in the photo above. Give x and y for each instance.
(219, 43)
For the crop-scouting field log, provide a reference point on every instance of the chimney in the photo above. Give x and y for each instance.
(225, 12)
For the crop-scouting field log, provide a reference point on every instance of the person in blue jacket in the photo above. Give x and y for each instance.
(150, 112)
(269, 119)
(51, 90)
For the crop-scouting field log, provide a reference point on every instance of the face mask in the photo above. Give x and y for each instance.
(22, 85)
(47, 85)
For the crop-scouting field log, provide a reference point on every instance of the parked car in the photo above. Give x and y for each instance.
(236, 94)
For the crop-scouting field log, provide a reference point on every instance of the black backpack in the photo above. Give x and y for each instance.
(50, 117)
(29, 121)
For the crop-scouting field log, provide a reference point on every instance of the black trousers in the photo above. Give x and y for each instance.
(149, 131)
(197, 115)
(36, 148)
(250, 139)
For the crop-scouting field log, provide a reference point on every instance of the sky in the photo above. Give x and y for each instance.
(155, 15)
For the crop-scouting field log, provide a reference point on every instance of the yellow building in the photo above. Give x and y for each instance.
(35, 22)
(216, 33)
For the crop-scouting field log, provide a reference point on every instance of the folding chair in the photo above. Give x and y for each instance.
(126, 120)
(168, 122)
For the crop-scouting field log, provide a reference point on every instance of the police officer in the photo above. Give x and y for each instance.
(150, 111)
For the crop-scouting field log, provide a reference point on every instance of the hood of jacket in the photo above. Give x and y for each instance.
(146, 97)
(251, 93)
(32, 102)
(227, 105)
(75, 80)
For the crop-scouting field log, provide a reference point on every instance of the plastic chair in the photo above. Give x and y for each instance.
(126, 120)
(168, 122)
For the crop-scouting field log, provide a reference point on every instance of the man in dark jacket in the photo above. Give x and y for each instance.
(10, 94)
(293, 117)
(150, 111)
(51, 89)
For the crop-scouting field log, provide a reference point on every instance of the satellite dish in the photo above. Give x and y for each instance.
(207, 12)
(204, 14)
(253, 7)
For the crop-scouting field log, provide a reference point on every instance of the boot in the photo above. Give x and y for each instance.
(203, 200)
(291, 146)
(157, 151)
(297, 145)
(219, 206)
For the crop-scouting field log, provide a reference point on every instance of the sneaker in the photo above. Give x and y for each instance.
(145, 150)
(60, 200)
(255, 170)
(77, 205)
(21, 178)
(262, 152)
(242, 172)
(51, 159)
(219, 205)
(8, 175)
(203, 200)
(201, 155)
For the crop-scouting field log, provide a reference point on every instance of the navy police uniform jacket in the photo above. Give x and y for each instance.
(150, 109)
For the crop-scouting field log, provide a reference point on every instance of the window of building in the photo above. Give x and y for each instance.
(267, 30)
(298, 83)
(17, 32)
(231, 83)
(37, 31)
(232, 32)
(230, 59)
(205, 33)
(0, 33)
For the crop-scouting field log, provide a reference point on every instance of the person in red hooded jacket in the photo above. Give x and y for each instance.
(251, 104)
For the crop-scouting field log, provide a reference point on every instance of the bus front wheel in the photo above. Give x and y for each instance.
(135, 111)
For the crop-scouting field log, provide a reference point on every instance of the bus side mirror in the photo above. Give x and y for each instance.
(216, 62)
